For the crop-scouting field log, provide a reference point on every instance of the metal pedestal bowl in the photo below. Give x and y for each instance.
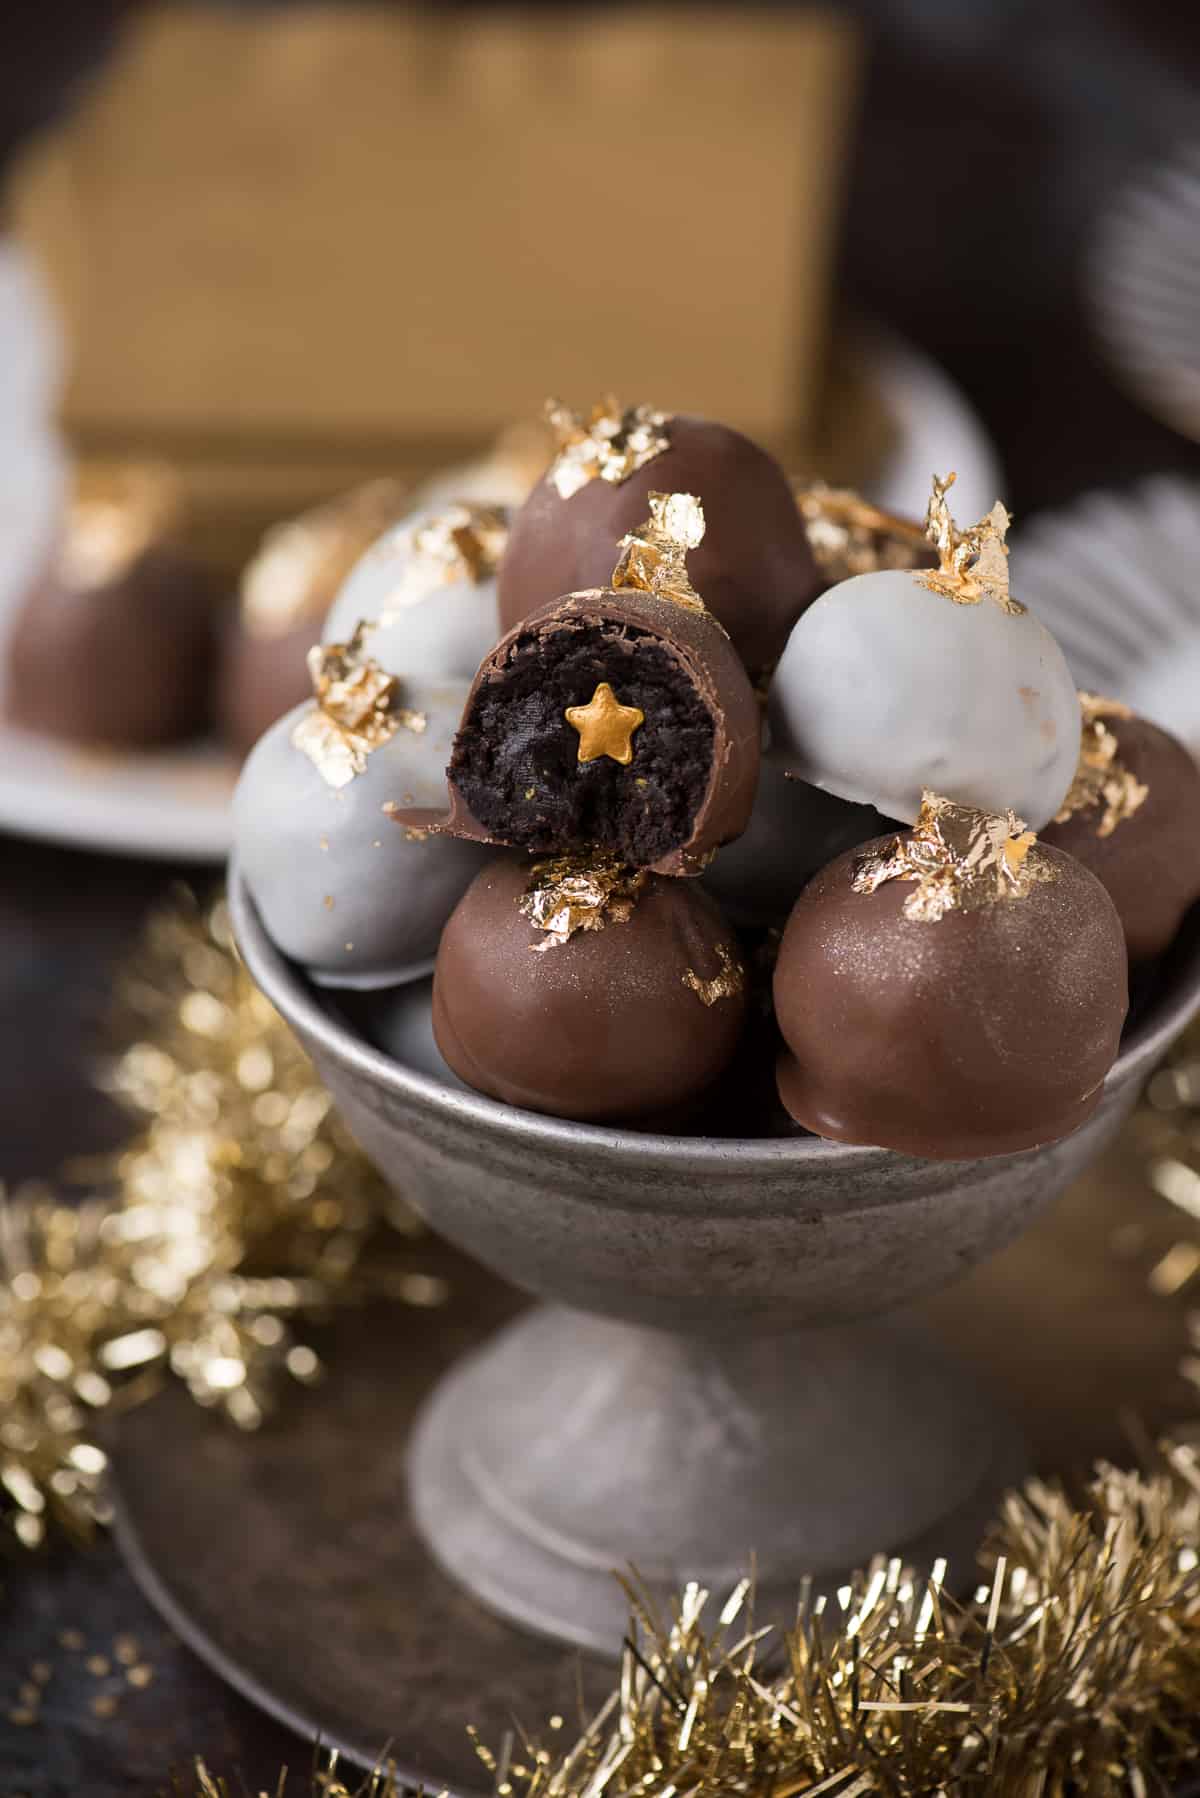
(722, 1369)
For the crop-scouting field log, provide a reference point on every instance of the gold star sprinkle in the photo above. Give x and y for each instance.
(605, 726)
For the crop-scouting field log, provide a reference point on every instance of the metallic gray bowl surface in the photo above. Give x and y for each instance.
(719, 1373)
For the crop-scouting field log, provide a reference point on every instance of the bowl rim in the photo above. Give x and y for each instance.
(289, 991)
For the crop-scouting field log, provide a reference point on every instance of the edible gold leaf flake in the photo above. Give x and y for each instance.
(849, 536)
(460, 544)
(653, 558)
(353, 714)
(605, 726)
(725, 985)
(301, 563)
(569, 893)
(1102, 783)
(972, 564)
(959, 858)
(115, 516)
(609, 444)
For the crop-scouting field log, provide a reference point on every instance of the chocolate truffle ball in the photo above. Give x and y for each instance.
(850, 535)
(754, 570)
(426, 591)
(614, 719)
(340, 887)
(117, 644)
(399, 1020)
(287, 588)
(1133, 817)
(576, 988)
(954, 992)
(894, 682)
(794, 829)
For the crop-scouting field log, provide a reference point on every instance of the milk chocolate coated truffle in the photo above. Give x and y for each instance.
(117, 643)
(954, 992)
(342, 890)
(620, 719)
(577, 988)
(894, 682)
(286, 589)
(1133, 817)
(754, 570)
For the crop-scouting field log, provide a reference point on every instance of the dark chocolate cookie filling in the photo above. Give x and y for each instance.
(516, 760)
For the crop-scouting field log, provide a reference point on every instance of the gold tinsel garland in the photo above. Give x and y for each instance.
(242, 1208)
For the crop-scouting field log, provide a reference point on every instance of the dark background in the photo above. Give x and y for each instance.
(992, 135)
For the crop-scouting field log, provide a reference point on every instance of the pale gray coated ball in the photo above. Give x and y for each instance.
(340, 886)
(422, 632)
(886, 688)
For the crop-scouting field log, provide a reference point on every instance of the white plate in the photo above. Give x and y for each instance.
(1114, 576)
(175, 803)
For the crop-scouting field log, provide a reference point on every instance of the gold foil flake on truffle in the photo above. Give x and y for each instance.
(727, 984)
(960, 859)
(605, 726)
(569, 893)
(460, 544)
(301, 563)
(653, 558)
(353, 714)
(1102, 782)
(849, 536)
(114, 518)
(973, 564)
(609, 444)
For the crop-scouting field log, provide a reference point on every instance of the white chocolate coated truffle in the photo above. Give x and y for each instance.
(887, 688)
(341, 887)
(431, 617)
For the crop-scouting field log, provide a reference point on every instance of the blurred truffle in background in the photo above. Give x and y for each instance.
(286, 589)
(116, 643)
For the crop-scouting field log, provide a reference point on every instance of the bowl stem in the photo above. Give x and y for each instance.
(572, 1446)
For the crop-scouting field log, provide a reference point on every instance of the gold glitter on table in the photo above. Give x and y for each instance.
(605, 726)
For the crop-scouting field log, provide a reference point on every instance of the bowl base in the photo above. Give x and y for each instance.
(572, 1446)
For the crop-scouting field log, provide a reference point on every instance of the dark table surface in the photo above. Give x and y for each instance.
(1021, 172)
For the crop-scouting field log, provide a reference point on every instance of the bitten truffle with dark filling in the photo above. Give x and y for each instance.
(953, 992)
(754, 570)
(1133, 817)
(619, 719)
(117, 644)
(586, 990)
